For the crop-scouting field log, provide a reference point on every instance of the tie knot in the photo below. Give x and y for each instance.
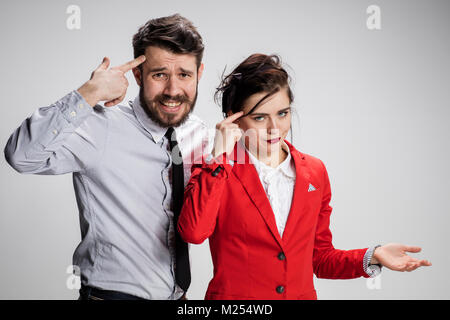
(171, 137)
(169, 133)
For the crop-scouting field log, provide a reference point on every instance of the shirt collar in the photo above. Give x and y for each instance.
(157, 132)
(286, 167)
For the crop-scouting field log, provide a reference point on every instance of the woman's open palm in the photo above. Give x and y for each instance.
(393, 256)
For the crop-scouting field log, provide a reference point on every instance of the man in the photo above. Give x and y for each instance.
(125, 162)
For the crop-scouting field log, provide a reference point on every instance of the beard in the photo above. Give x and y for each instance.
(166, 119)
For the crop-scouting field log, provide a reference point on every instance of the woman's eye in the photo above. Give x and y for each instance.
(261, 118)
(283, 113)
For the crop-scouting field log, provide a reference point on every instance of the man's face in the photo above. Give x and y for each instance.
(168, 84)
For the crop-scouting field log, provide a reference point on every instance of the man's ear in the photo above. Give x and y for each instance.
(200, 71)
(138, 75)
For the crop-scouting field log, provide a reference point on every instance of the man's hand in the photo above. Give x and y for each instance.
(108, 85)
(393, 256)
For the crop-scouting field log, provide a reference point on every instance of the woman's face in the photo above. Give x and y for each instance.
(268, 125)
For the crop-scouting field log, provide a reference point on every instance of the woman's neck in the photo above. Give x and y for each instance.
(274, 159)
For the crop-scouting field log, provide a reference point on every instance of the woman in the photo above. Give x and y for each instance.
(264, 205)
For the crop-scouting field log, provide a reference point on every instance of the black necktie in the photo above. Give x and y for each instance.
(182, 269)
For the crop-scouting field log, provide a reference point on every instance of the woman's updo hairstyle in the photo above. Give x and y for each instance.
(258, 73)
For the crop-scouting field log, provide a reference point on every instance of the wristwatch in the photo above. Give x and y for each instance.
(371, 255)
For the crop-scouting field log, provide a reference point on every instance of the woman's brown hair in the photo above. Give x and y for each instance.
(258, 73)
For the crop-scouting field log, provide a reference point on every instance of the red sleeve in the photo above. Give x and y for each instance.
(202, 198)
(328, 262)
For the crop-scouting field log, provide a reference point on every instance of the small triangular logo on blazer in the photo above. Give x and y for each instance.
(311, 188)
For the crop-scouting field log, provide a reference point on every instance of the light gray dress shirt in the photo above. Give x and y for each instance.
(120, 161)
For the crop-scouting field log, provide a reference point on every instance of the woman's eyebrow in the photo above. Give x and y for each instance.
(265, 114)
(261, 100)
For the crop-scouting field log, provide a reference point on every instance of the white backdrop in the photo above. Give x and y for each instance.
(372, 104)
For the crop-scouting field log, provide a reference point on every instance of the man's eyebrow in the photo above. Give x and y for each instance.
(158, 69)
(186, 71)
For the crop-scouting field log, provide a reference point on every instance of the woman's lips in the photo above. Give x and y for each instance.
(275, 140)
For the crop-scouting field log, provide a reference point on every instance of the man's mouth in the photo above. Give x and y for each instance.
(171, 106)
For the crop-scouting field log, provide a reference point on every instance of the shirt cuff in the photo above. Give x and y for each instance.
(372, 270)
(74, 108)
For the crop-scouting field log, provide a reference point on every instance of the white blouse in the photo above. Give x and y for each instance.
(278, 184)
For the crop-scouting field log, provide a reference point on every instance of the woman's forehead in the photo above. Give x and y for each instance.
(270, 104)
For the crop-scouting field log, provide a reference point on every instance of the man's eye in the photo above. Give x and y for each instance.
(185, 75)
(159, 75)
(283, 113)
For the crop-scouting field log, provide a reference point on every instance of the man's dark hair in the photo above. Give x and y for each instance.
(174, 33)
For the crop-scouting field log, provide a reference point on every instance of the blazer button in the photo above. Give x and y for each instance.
(280, 289)
(281, 256)
(216, 172)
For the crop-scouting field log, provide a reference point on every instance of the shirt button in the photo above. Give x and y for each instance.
(55, 131)
(281, 256)
(73, 114)
(280, 289)
(81, 106)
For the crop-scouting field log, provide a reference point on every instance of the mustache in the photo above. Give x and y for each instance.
(178, 98)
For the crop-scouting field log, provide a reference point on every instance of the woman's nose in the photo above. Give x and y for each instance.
(272, 125)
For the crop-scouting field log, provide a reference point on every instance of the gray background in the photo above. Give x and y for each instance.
(373, 105)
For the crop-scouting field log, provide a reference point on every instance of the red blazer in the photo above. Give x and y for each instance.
(250, 259)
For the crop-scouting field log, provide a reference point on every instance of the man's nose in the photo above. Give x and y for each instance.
(172, 88)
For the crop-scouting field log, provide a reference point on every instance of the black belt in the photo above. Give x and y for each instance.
(91, 293)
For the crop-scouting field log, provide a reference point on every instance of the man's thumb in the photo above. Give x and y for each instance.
(105, 64)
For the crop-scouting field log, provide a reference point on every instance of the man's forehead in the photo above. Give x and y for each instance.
(162, 58)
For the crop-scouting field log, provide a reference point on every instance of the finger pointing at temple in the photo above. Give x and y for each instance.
(131, 64)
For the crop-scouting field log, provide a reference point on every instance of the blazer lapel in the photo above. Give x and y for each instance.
(248, 176)
(298, 205)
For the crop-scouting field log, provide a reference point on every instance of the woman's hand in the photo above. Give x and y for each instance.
(393, 256)
(227, 134)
